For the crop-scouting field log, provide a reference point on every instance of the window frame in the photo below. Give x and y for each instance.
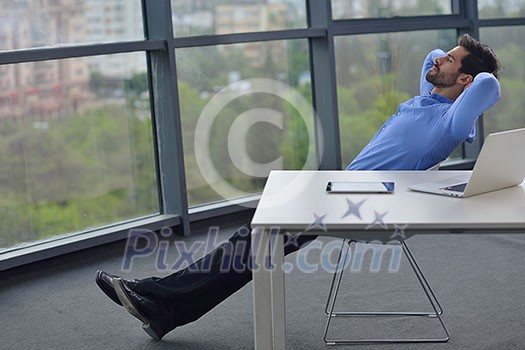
(160, 45)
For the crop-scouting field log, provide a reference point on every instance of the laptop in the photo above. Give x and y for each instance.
(500, 164)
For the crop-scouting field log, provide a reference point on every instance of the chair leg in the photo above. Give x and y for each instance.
(334, 288)
(423, 280)
(338, 270)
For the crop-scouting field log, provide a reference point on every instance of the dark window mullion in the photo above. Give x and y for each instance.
(166, 112)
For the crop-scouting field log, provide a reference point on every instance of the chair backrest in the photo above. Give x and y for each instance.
(434, 167)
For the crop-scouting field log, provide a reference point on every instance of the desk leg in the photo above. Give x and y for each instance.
(268, 290)
(278, 296)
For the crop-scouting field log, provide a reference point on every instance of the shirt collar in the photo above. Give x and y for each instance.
(441, 98)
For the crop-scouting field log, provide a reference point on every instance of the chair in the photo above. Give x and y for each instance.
(334, 289)
(434, 167)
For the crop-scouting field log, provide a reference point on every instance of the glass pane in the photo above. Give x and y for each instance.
(76, 147)
(39, 23)
(351, 9)
(192, 17)
(508, 43)
(501, 8)
(246, 109)
(376, 72)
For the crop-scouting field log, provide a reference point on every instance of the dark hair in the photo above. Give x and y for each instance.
(481, 57)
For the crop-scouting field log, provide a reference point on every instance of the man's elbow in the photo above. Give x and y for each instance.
(488, 82)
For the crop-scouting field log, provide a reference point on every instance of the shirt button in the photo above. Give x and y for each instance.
(398, 113)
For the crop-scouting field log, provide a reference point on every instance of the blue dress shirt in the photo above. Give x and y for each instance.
(427, 128)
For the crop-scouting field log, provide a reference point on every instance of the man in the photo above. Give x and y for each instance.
(456, 87)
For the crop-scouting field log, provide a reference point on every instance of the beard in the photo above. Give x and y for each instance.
(442, 80)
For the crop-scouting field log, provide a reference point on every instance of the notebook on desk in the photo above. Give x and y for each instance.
(500, 164)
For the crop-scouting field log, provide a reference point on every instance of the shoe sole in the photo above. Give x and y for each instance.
(109, 290)
(148, 326)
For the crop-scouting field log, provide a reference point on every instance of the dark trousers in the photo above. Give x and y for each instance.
(195, 290)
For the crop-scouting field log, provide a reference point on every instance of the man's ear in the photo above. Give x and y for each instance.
(465, 79)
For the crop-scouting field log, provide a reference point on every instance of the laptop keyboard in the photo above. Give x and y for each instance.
(456, 188)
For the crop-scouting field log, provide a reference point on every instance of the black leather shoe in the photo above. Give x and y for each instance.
(104, 282)
(152, 313)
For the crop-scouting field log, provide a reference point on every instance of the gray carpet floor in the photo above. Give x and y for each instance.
(479, 281)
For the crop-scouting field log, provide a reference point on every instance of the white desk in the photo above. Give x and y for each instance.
(296, 201)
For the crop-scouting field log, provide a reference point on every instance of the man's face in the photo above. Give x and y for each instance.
(445, 71)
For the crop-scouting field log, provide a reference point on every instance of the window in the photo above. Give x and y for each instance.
(352, 9)
(508, 43)
(81, 149)
(236, 16)
(77, 151)
(77, 23)
(376, 72)
(501, 8)
(267, 129)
